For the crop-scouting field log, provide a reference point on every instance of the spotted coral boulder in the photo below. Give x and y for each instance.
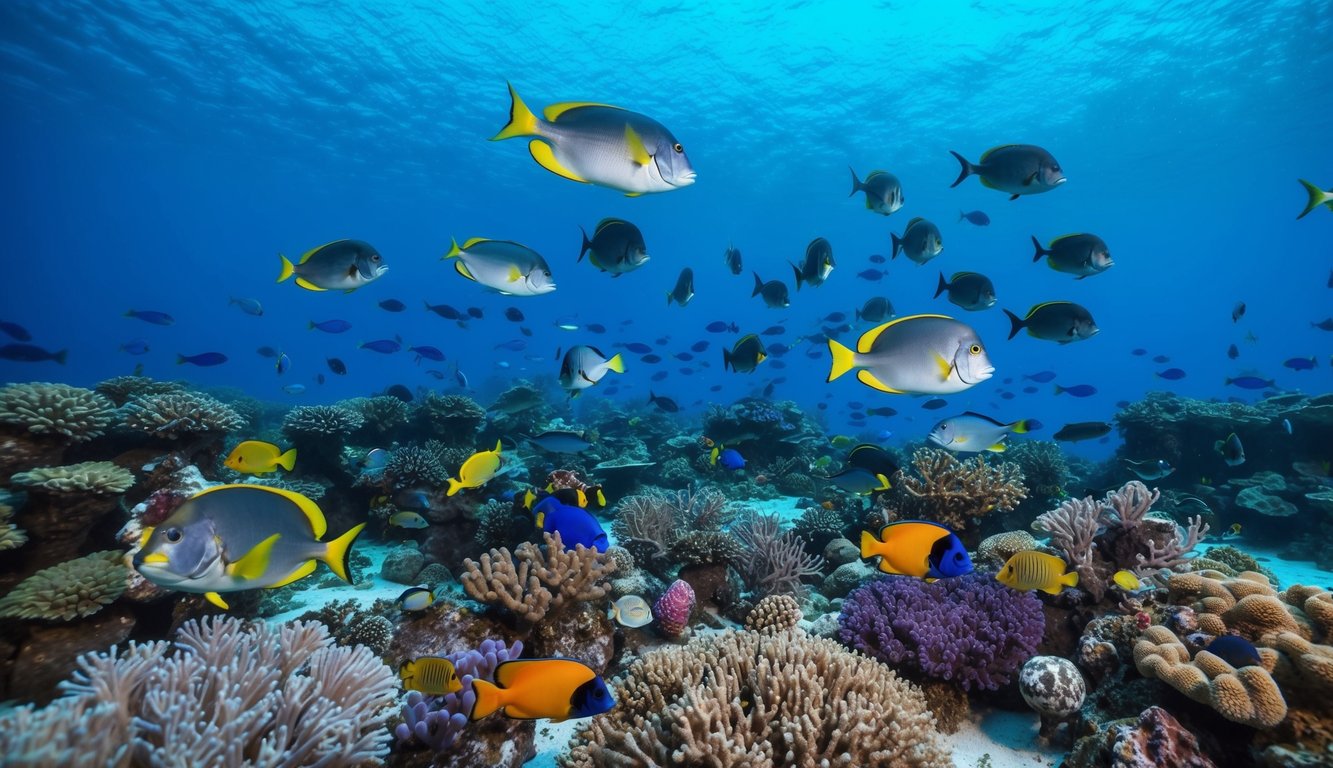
(1052, 685)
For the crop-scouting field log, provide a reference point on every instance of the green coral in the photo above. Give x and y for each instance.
(99, 477)
(176, 415)
(11, 536)
(70, 590)
(57, 410)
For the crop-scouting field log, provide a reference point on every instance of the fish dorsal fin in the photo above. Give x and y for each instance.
(462, 269)
(309, 286)
(1063, 237)
(254, 563)
(1039, 307)
(913, 223)
(474, 241)
(306, 256)
(985, 418)
(867, 378)
(956, 275)
(545, 157)
(867, 341)
(637, 151)
(303, 570)
(604, 223)
(993, 150)
(554, 111)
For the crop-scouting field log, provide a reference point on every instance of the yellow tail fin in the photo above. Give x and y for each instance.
(1317, 197)
(454, 250)
(868, 544)
(1070, 579)
(1022, 427)
(287, 460)
(616, 363)
(488, 699)
(288, 269)
(454, 487)
(843, 359)
(337, 552)
(521, 120)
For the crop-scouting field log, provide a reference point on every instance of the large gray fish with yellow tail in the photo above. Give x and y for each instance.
(601, 144)
(342, 265)
(236, 537)
(510, 268)
(917, 354)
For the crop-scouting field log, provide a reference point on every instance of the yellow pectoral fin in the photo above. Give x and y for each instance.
(945, 366)
(255, 562)
(545, 157)
(309, 286)
(515, 275)
(634, 143)
(998, 448)
(867, 378)
(302, 571)
(216, 599)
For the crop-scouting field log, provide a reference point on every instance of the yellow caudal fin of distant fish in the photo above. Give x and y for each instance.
(289, 269)
(337, 552)
(1070, 579)
(1318, 197)
(1022, 427)
(454, 251)
(287, 460)
(843, 359)
(522, 122)
(616, 363)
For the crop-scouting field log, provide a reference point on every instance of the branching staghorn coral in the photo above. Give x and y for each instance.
(57, 411)
(175, 415)
(70, 590)
(751, 699)
(1072, 527)
(532, 583)
(775, 561)
(224, 694)
(956, 493)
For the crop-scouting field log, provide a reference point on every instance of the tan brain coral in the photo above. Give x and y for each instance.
(1248, 695)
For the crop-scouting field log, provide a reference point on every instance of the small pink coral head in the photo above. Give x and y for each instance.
(673, 608)
(1142, 619)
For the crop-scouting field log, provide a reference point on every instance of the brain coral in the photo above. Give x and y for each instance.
(58, 410)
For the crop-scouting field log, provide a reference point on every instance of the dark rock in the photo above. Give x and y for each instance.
(48, 654)
(402, 564)
(840, 552)
(845, 578)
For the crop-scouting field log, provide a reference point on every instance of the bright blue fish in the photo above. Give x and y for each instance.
(575, 525)
(203, 359)
(331, 326)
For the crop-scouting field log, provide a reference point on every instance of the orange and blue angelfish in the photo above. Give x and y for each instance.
(917, 548)
(528, 689)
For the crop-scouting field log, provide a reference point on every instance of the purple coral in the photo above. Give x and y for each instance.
(438, 720)
(971, 629)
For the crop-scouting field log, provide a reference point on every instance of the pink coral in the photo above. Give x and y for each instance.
(673, 608)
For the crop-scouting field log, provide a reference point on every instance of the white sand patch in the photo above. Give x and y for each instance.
(1288, 572)
(552, 738)
(1008, 738)
(785, 507)
(369, 589)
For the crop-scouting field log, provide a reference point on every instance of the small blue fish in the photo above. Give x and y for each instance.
(203, 359)
(729, 458)
(1171, 374)
(1236, 651)
(383, 346)
(1077, 390)
(267, 351)
(1041, 377)
(15, 331)
(331, 326)
(638, 347)
(150, 316)
(248, 306)
(1250, 382)
(428, 353)
(718, 326)
(575, 525)
(934, 404)
(135, 347)
(977, 218)
(872, 274)
(651, 359)
(284, 363)
(596, 328)
(392, 305)
(294, 389)
(1300, 363)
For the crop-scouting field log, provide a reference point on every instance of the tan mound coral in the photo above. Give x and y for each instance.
(1002, 546)
(1245, 604)
(56, 410)
(174, 415)
(774, 613)
(96, 477)
(532, 583)
(1247, 695)
(760, 700)
(69, 590)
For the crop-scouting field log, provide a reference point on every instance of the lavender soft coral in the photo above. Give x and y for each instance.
(437, 721)
(970, 630)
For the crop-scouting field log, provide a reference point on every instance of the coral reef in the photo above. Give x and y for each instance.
(775, 561)
(122, 389)
(178, 415)
(70, 590)
(1247, 695)
(818, 526)
(954, 493)
(531, 583)
(1052, 686)
(223, 694)
(63, 508)
(11, 536)
(382, 417)
(775, 613)
(672, 609)
(350, 624)
(453, 419)
(89, 477)
(321, 421)
(649, 524)
(411, 466)
(996, 550)
(58, 411)
(970, 630)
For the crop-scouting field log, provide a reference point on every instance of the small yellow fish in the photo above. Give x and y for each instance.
(1126, 580)
(1031, 569)
(477, 470)
(408, 520)
(259, 458)
(430, 674)
(631, 611)
(1235, 529)
(415, 599)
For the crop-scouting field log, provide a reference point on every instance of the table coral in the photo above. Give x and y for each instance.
(750, 699)
(70, 590)
(11, 536)
(58, 411)
(122, 389)
(174, 415)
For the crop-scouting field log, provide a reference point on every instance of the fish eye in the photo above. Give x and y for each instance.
(173, 534)
(376, 257)
(678, 147)
(975, 349)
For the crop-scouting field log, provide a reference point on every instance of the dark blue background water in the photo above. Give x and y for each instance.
(159, 156)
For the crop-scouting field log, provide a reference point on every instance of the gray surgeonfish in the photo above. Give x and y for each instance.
(684, 290)
(343, 265)
(1019, 169)
(1153, 469)
(774, 292)
(561, 441)
(875, 310)
(745, 355)
(733, 259)
(236, 537)
(616, 246)
(970, 290)
(601, 144)
(860, 481)
(584, 366)
(974, 432)
(884, 193)
(1061, 321)
(921, 241)
(917, 354)
(1078, 254)
(817, 265)
(502, 265)
(1231, 450)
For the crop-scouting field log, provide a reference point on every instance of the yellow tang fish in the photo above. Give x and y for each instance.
(1030, 570)
(477, 470)
(258, 458)
(1127, 581)
(431, 675)
(526, 689)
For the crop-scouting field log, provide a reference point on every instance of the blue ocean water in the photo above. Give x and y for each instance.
(159, 156)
